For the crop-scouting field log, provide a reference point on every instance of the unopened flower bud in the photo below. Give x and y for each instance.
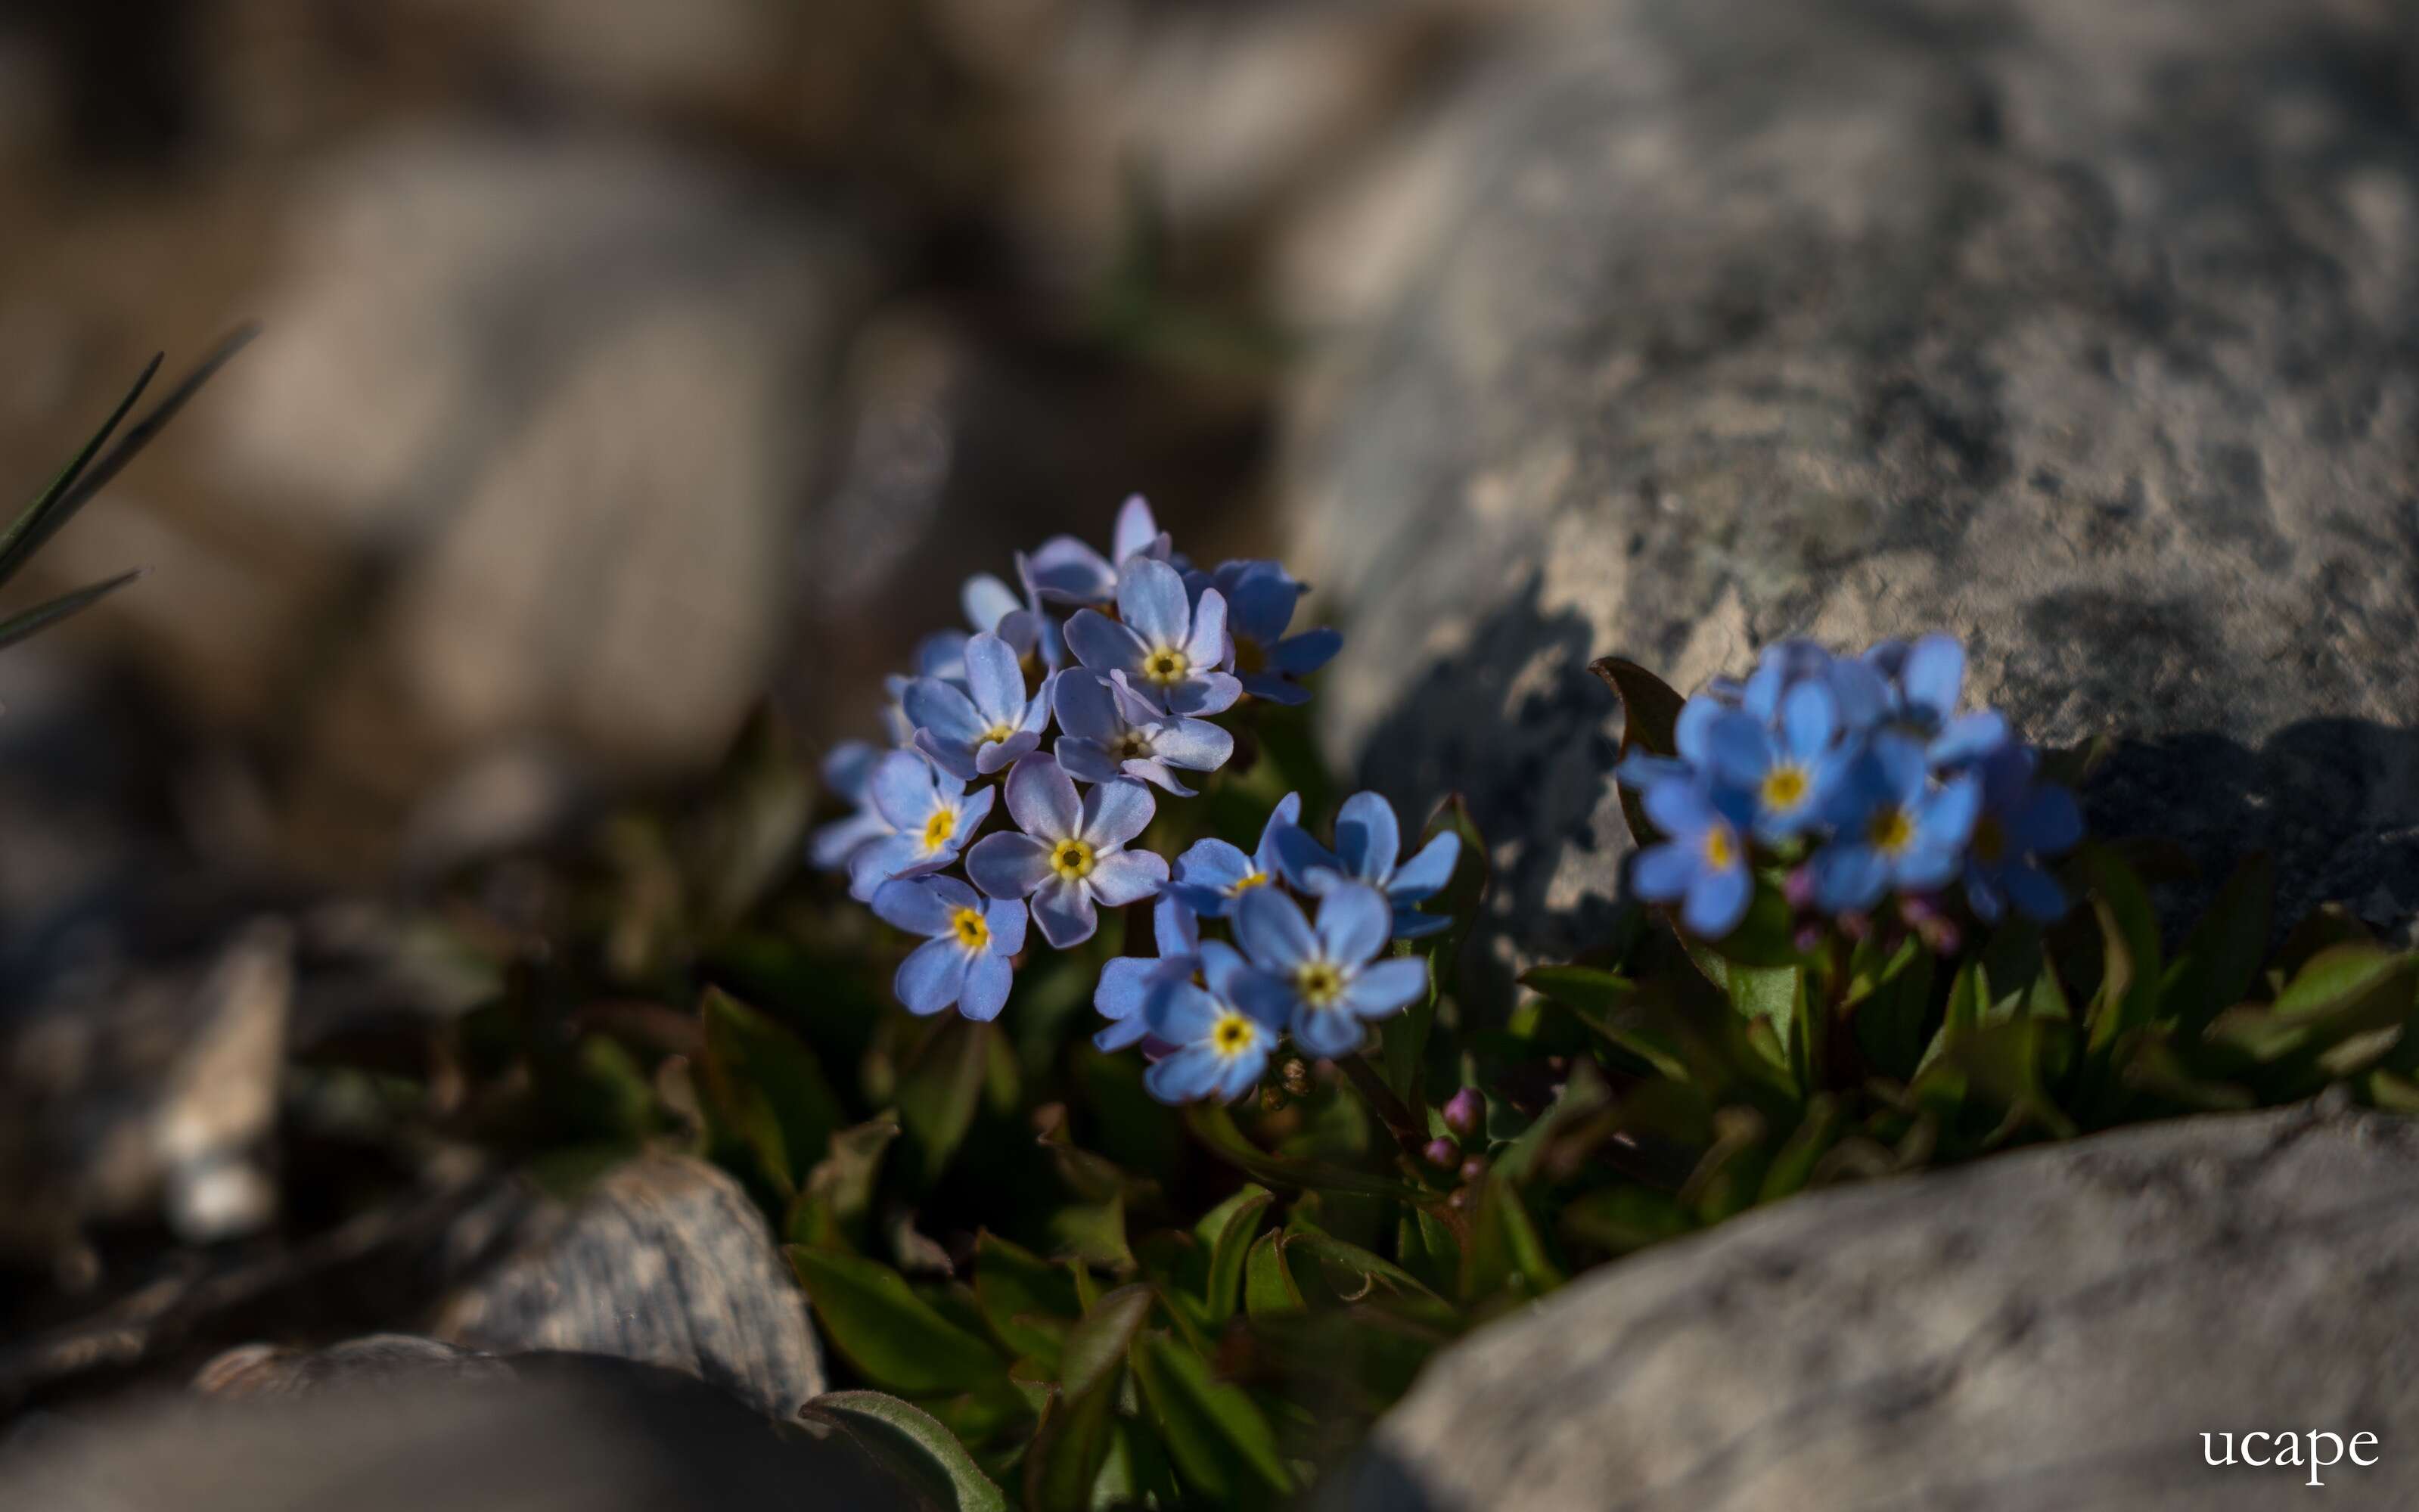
(1939, 936)
(1442, 1153)
(1465, 1111)
(1473, 1169)
(1799, 888)
(1916, 907)
(1808, 939)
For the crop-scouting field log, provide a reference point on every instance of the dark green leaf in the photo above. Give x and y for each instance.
(1030, 1303)
(1351, 1259)
(1269, 1287)
(914, 1446)
(768, 1088)
(1650, 717)
(1622, 1219)
(1215, 1127)
(891, 1336)
(2129, 928)
(1075, 1439)
(1609, 1004)
(2221, 959)
(43, 616)
(1221, 1442)
(839, 1192)
(940, 1090)
(1225, 1234)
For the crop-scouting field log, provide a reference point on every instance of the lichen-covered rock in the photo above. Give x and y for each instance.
(665, 1261)
(2085, 331)
(2051, 1329)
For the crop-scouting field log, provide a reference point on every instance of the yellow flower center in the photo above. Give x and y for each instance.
(1132, 745)
(996, 733)
(1890, 831)
(1167, 665)
(1990, 841)
(1233, 1034)
(969, 928)
(1071, 859)
(1721, 850)
(938, 829)
(1247, 882)
(1785, 787)
(1318, 982)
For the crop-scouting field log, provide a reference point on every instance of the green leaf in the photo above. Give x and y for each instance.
(43, 616)
(1214, 1126)
(1650, 718)
(1221, 1442)
(888, 1333)
(2221, 959)
(2128, 985)
(1624, 1219)
(1794, 1163)
(1768, 994)
(1076, 1437)
(940, 1090)
(1506, 1249)
(1226, 1233)
(1765, 938)
(1890, 1017)
(2336, 976)
(768, 1088)
(914, 1446)
(1028, 1303)
(1609, 1004)
(1269, 1287)
(1373, 1269)
(839, 1193)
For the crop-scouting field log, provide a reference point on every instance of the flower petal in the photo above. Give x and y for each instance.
(1327, 1032)
(832, 844)
(1179, 1013)
(1809, 720)
(849, 766)
(1113, 814)
(1124, 986)
(1386, 986)
(1947, 817)
(1066, 571)
(1207, 647)
(1206, 693)
(1221, 963)
(995, 680)
(940, 707)
(1175, 928)
(1849, 876)
(958, 761)
(972, 811)
(1367, 838)
(1008, 866)
(1302, 860)
(1298, 655)
(1005, 917)
(1411, 924)
(1934, 676)
(918, 907)
(2049, 821)
(1679, 809)
(902, 792)
(1264, 995)
(931, 977)
(1738, 747)
(1158, 774)
(1087, 706)
(1858, 695)
(1124, 877)
(1102, 644)
(1696, 721)
(1424, 874)
(985, 992)
(1135, 529)
(1065, 911)
(1968, 737)
(1196, 744)
(1213, 863)
(995, 754)
(1122, 1035)
(1717, 901)
(1186, 1076)
(1241, 1071)
(1152, 604)
(1087, 761)
(1354, 923)
(1271, 929)
(1662, 873)
(2035, 893)
(877, 863)
(1042, 799)
(987, 601)
(1285, 815)
(1273, 688)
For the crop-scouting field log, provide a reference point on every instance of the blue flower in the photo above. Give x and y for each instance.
(1110, 731)
(991, 724)
(966, 960)
(1924, 681)
(2022, 821)
(848, 775)
(1701, 862)
(1072, 854)
(1213, 875)
(941, 655)
(1260, 599)
(991, 605)
(1324, 982)
(1221, 1043)
(1367, 840)
(1641, 770)
(1859, 697)
(1787, 774)
(1126, 983)
(1064, 570)
(931, 817)
(1892, 827)
(1171, 650)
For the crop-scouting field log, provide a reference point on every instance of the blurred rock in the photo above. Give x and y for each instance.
(558, 1434)
(271, 1370)
(561, 393)
(665, 1261)
(2083, 331)
(2051, 1328)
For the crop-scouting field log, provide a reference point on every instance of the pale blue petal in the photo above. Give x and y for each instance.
(1259, 603)
(1213, 863)
(2035, 893)
(902, 790)
(1285, 815)
(1124, 877)
(1273, 688)
(1186, 1076)
(1008, 866)
(1206, 693)
(1179, 1013)
(994, 682)
(2049, 821)
(1064, 910)
(1114, 813)
(1087, 761)
(1329, 1032)
(1354, 923)
(1103, 645)
(1934, 676)
(1196, 744)
(987, 601)
(1947, 817)
(1241, 1072)
(1411, 924)
(1042, 799)
(1207, 647)
(1125, 985)
(833, 843)
(1152, 603)
(1299, 859)
(1696, 721)
(1662, 872)
(995, 754)
(1809, 720)
(1367, 838)
(1738, 747)
(1136, 530)
(1298, 655)
(1424, 874)
(1220, 964)
(1849, 876)
(1387, 986)
(931, 977)
(1968, 737)
(877, 863)
(955, 759)
(1271, 929)
(1066, 571)
(1158, 774)
(848, 767)
(1264, 995)
(1717, 901)
(1086, 708)
(985, 992)
(1005, 917)
(1679, 809)
(937, 706)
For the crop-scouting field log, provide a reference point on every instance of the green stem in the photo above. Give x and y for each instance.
(1390, 1110)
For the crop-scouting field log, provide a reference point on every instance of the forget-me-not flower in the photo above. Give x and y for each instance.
(1222, 1045)
(991, 724)
(1324, 982)
(965, 960)
(1126, 983)
(1786, 772)
(2022, 821)
(1171, 650)
(930, 816)
(1067, 571)
(1642, 769)
(1925, 681)
(848, 775)
(1211, 875)
(1892, 827)
(1702, 862)
(1260, 598)
(1071, 860)
(1109, 731)
(1367, 842)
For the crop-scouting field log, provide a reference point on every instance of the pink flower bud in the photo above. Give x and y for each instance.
(1443, 1153)
(1465, 1112)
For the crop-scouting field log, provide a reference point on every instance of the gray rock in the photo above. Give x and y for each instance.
(2084, 331)
(548, 1433)
(2051, 1329)
(665, 1261)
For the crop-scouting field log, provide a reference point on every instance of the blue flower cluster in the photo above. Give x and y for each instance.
(1131, 656)
(1862, 778)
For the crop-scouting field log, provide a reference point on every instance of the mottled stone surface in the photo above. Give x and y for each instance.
(550, 1433)
(2053, 1329)
(665, 1261)
(2089, 332)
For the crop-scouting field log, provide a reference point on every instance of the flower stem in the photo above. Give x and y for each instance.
(1390, 1110)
